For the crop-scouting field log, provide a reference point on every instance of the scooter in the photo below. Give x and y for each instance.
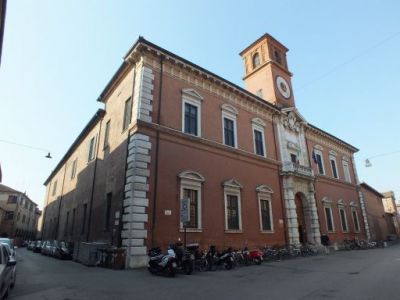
(184, 259)
(252, 256)
(162, 263)
(214, 258)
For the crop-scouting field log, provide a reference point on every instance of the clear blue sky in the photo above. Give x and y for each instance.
(58, 56)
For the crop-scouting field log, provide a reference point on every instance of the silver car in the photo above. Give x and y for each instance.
(10, 243)
(7, 270)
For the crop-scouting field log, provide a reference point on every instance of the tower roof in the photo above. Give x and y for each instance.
(264, 36)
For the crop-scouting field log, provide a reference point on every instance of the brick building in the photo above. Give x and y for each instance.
(253, 170)
(20, 215)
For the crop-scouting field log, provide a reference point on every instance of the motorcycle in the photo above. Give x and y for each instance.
(184, 259)
(252, 256)
(215, 258)
(162, 263)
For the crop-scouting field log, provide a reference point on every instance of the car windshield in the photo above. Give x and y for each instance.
(5, 241)
(7, 248)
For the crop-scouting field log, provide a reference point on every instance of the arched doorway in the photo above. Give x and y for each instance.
(301, 201)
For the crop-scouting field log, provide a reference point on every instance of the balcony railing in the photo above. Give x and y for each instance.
(291, 167)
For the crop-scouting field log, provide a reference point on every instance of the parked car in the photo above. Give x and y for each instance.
(31, 245)
(10, 243)
(47, 247)
(37, 247)
(63, 250)
(7, 270)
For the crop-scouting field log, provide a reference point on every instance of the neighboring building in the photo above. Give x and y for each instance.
(253, 170)
(20, 214)
(3, 5)
(377, 217)
(389, 203)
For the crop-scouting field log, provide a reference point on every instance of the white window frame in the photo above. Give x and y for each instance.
(260, 129)
(94, 138)
(194, 102)
(333, 158)
(233, 188)
(342, 208)
(265, 197)
(193, 181)
(353, 209)
(73, 168)
(326, 218)
(319, 152)
(229, 112)
(346, 171)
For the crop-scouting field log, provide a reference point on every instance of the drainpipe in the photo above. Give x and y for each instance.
(157, 151)
(94, 181)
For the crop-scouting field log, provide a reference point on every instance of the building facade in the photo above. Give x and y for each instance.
(249, 167)
(20, 215)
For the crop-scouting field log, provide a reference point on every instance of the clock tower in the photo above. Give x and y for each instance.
(266, 72)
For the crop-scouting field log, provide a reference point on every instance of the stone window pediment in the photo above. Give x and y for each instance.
(191, 93)
(232, 183)
(191, 175)
(326, 200)
(258, 121)
(229, 109)
(341, 202)
(265, 189)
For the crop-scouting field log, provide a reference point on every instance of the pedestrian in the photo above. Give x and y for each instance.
(325, 242)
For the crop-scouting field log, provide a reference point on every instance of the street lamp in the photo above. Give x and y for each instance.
(28, 146)
(368, 160)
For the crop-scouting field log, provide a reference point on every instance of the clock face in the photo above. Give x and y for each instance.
(283, 87)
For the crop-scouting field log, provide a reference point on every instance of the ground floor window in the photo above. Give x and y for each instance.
(343, 220)
(232, 212)
(192, 195)
(266, 215)
(355, 219)
(329, 219)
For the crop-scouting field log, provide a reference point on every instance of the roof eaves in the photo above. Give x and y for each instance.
(370, 188)
(93, 121)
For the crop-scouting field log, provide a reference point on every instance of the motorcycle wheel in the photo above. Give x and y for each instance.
(171, 271)
(228, 265)
(257, 261)
(152, 270)
(187, 268)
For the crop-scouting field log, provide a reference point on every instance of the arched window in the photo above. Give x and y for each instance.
(256, 60)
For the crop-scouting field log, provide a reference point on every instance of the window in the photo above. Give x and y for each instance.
(192, 195)
(127, 114)
(73, 221)
(66, 224)
(18, 216)
(232, 208)
(266, 218)
(258, 134)
(108, 211)
(233, 221)
(92, 149)
(355, 219)
(12, 199)
(106, 134)
(333, 166)
(346, 171)
(293, 158)
(343, 220)
(229, 132)
(54, 188)
(259, 93)
(191, 183)
(319, 161)
(73, 168)
(329, 219)
(191, 119)
(23, 218)
(256, 60)
(84, 218)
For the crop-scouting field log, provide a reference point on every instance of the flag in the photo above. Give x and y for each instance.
(314, 157)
